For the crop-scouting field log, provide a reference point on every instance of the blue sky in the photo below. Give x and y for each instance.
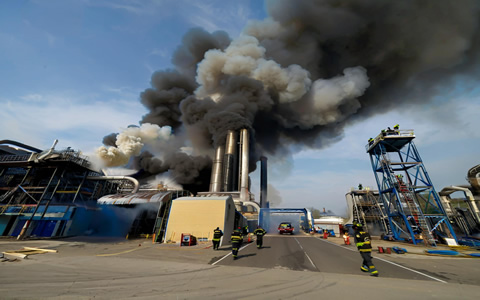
(73, 71)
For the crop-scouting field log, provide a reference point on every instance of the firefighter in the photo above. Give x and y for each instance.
(397, 129)
(236, 240)
(217, 235)
(370, 141)
(346, 238)
(364, 246)
(259, 232)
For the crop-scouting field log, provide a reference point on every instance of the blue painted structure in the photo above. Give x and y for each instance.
(410, 201)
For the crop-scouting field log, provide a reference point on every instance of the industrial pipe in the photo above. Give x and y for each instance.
(471, 201)
(42, 156)
(263, 183)
(216, 178)
(244, 165)
(229, 163)
(135, 181)
(472, 177)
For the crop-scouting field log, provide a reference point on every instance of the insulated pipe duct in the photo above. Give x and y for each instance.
(473, 178)
(240, 205)
(230, 163)
(135, 181)
(470, 200)
(349, 198)
(44, 155)
(244, 194)
(216, 179)
(263, 183)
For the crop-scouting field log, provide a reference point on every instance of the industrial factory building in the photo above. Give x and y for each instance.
(55, 193)
(49, 193)
(58, 193)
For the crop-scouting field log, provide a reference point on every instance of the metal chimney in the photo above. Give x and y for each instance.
(244, 194)
(216, 179)
(263, 183)
(230, 163)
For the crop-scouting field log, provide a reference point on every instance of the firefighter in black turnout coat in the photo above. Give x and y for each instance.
(217, 235)
(259, 232)
(364, 246)
(236, 240)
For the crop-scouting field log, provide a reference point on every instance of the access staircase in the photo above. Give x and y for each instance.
(407, 196)
(163, 214)
(413, 207)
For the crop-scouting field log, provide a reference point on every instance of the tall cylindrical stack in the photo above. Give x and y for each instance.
(244, 194)
(216, 178)
(263, 182)
(230, 163)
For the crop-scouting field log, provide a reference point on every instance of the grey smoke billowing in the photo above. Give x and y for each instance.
(183, 168)
(274, 197)
(311, 68)
(109, 140)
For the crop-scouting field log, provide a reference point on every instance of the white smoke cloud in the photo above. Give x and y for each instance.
(245, 57)
(130, 143)
(327, 96)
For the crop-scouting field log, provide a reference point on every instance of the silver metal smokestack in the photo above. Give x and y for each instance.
(244, 194)
(230, 163)
(216, 179)
(263, 183)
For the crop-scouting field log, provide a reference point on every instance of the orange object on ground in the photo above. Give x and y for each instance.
(325, 234)
(346, 239)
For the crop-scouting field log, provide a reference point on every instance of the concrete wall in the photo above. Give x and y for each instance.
(199, 216)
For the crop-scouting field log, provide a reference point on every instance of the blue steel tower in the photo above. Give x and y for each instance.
(411, 203)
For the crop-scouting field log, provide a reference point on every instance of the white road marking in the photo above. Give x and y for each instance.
(306, 254)
(227, 255)
(387, 261)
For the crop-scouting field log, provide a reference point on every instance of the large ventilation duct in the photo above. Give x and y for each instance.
(244, 194)
(230, 163)
(263, 183)
(216, 179)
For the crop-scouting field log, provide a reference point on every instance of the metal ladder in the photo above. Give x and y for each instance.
(409, 198)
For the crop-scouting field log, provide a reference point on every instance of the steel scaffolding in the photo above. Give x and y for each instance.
(367, 209)
(412, 205)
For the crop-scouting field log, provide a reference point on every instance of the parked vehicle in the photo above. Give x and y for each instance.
(285, 227)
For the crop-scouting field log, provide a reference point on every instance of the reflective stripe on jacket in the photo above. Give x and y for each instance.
(362, 240)
(259, 232)
(217, 234)
(236, 238)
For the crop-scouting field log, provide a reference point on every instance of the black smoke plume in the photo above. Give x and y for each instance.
(310, 69)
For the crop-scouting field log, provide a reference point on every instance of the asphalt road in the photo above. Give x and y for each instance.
(306, 253)
(294, 267)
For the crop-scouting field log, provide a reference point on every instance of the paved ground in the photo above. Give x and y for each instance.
(306, 253)
(106, 269)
